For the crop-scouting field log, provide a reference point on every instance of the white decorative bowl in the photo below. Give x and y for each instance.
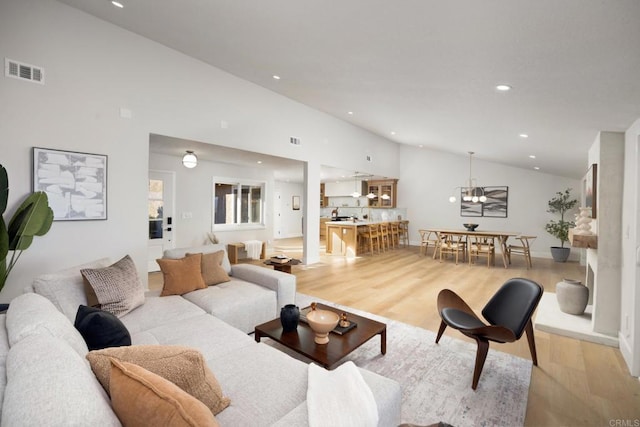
(322, 322)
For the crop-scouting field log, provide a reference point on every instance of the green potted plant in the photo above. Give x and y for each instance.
(560, 204)
(32, 218)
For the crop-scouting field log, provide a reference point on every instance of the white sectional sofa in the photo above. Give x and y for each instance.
(45, 379)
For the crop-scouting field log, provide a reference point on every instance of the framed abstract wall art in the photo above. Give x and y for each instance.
(496, 205)
(75, 183)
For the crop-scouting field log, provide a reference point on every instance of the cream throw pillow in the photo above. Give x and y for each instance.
(117, 288)
(181, 275)
(140, 397)
(211, 267)
(183, 366)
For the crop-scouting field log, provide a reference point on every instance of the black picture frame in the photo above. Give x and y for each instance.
(75, 183)
(496, 205)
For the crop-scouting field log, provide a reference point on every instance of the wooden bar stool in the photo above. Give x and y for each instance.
(394, 233)
(370, 236)
(403, 233)
(384, 235)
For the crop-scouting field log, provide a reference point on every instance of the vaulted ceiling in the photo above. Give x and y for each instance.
(424, 72)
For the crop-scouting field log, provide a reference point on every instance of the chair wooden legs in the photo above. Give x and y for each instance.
(443, 326)
(532, 342)
(481, 356)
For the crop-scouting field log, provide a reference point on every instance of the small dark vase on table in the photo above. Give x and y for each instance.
(289, 317)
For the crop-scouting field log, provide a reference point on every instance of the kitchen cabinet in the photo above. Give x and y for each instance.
(385, 192)
(323, 198)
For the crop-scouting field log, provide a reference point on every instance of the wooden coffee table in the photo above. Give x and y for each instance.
(285, 267)
(327, 355)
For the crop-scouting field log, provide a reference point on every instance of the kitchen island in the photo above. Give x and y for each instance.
(342, 236)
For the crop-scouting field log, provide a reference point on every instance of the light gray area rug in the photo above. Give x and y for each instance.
(436, 378)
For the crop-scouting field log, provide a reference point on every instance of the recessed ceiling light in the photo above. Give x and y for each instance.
(393, 133)
(259, 162)
(503, 88)
(117, 4)
(523, 135)
(276, 77)
(532, 156)
(420, 146)
(350, 113)
(537, 168)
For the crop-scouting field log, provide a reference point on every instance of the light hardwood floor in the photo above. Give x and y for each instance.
(576, 383)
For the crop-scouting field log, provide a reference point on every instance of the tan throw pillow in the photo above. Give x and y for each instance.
(117, 287)
(140, 397)
(183, 366)
(181, 275)
(212, 271)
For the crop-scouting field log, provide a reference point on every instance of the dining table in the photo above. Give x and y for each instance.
(501, 236)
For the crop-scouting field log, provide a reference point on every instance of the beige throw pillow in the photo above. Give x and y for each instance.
(211, 266)
(183, 366)
(117, 288)
(140, 397)
(181, 275)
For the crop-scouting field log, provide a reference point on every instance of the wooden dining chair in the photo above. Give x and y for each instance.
(428, 238)
(508, 314)
(453, 244)
(523, 249)
(482, 246)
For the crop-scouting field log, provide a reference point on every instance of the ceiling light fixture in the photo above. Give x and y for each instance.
(350, 113)
(531, 156)
(393, 133)
(276, 77)
(503, 88)
(259, 162)
(355, 193)
(117, 4)
(537, 168)
(472, 193)
(189, 160)
(524, 135)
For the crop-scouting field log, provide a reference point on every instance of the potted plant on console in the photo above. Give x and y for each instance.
(560, 204)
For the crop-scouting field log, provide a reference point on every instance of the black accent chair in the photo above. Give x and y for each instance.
(508, 312)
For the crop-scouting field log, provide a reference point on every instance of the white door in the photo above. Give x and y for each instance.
(161, 216)
(277, 215)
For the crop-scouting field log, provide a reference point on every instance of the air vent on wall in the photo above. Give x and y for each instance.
(22, 71)
(295, 141)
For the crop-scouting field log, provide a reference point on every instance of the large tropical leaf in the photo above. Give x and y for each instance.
(4, 241)
(4, 189)
(33, 218)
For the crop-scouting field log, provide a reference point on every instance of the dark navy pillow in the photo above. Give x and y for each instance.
(101, 329)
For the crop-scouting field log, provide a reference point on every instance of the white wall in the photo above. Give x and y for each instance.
(608, 153)
(194, 194)
(429, 177)
(92, 70)
(290, 220)
(629, 335)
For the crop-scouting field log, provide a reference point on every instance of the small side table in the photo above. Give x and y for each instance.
(284, 266)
